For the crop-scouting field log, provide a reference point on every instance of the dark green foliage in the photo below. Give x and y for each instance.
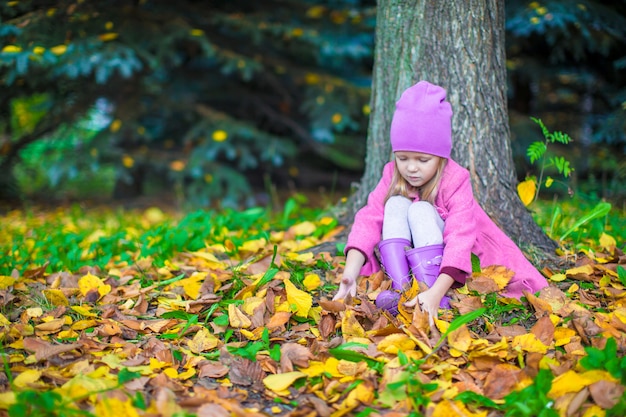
(219, 99)
(202, 96)
(566, 62)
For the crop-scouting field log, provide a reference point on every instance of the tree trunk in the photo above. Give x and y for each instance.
(460, 46)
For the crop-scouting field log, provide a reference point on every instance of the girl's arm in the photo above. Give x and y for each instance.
(354, 261)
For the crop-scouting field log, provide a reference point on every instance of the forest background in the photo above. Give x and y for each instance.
(224, 124)
(224, 105)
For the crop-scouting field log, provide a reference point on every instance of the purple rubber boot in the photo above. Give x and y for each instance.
(393, 259)
(425, 263)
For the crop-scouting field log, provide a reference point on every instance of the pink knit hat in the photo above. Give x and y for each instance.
(422, 121)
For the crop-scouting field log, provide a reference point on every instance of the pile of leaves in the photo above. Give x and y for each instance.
(244, 324)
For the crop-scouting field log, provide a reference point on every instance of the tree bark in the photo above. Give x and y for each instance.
(460, 46)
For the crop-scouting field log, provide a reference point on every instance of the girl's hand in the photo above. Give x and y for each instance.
(354, 262)
(430, 299)
(347, 286)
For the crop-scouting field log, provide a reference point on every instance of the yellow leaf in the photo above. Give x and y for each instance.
(571, 381)
(607, 242)
(109, 36)
(256, 334)
(237, 319)
(447, 408)
(460, 339)
(303, 229)
(56, 297)
(34, 312)
(115, 407)
(396, 342)
(251, 303)
(157, 364)
(529, 343)
(526, 191)
(312, 281)
(91, 282)
(192, 285)
(84, 311)
(128, 161)
(220, 136)
(350, 327)
(202, 341)
(582, 270)
(549, 182)
(26, 378)
(558, 277)
(84, 324)
(6, 282)
(186, 374)
(11, 49)
(280, 382)
(594, 411)
(59, 49)
(254, 245)
(302, 300)
(4, 321)
(316, 368)
(83, 385)
(7, 399)
(299, 257)
(563, 335)
(196, 32)
(115, 125)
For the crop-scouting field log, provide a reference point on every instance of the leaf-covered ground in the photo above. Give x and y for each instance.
(135, 314)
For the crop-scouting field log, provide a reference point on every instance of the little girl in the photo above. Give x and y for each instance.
(423, 217)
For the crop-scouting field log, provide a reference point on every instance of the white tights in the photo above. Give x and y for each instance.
(417, 221)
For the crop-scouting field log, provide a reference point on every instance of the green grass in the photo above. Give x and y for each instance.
(66, 239)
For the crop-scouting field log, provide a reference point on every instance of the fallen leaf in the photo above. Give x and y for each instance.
(302, 300)
(280, 382)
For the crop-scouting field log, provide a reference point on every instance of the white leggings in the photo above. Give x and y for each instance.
(417, 221)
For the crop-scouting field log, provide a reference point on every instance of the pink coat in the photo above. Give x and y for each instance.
(468, 229)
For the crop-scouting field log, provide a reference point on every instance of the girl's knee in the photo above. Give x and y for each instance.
(398, 203)
(421, 209)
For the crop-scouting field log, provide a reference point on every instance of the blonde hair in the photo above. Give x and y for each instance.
(427, 192)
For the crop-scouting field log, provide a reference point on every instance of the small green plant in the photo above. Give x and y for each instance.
(504, 314)
(606, 359)
(533, 400)
(538, 152)
(250, 350)
(409, 387)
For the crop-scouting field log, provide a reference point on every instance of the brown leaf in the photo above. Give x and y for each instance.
(294, 354)
(544, 330)
(44, 350)
(212, 410)
(212, 370)
(501, 381)
(542, 307)
(482, 285)
(332, 306)
(279, 320)
(51, 326)
(468, 304)
(606, 393)
(326, 326)
(576, 402)
(248, 373)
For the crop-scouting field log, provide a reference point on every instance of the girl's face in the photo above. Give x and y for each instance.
(417, 168)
